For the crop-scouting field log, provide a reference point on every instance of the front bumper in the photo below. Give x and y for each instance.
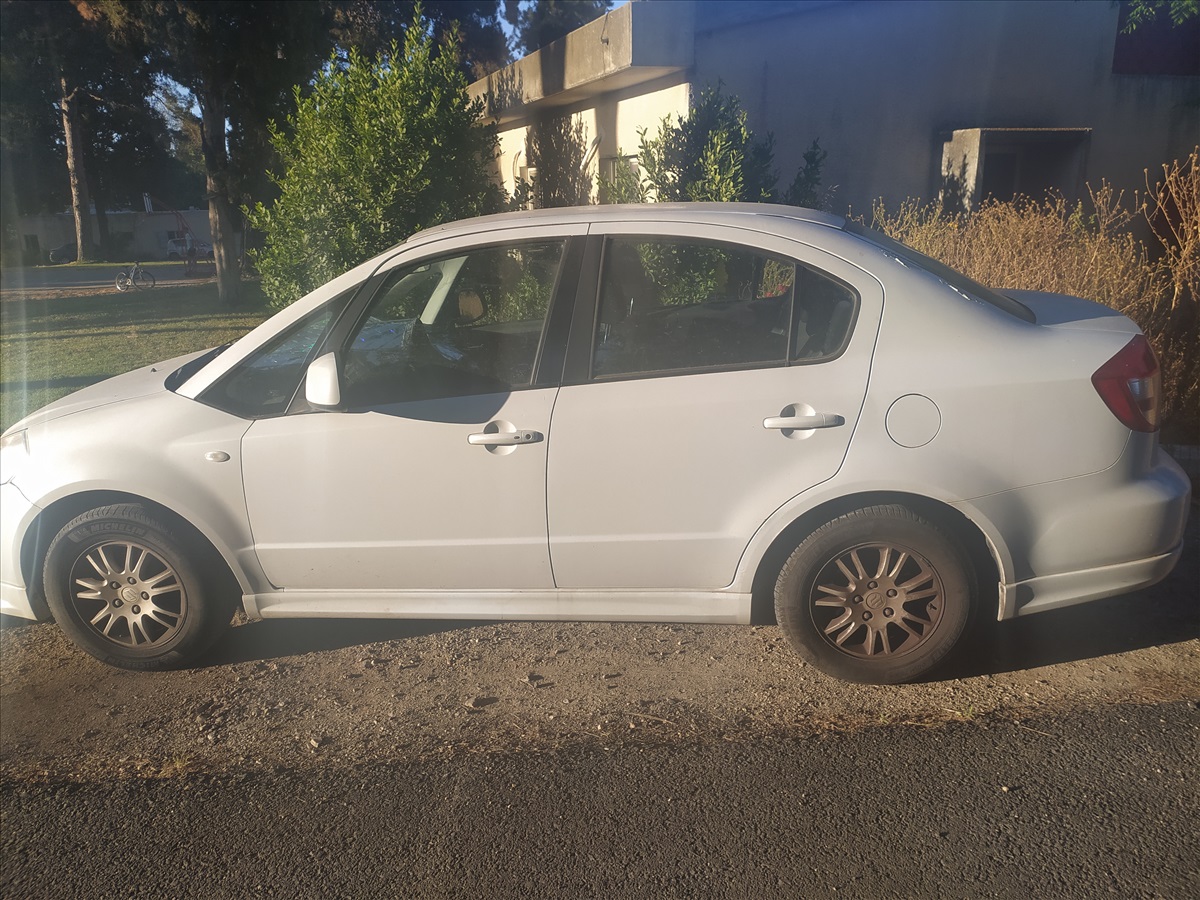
(15, 515)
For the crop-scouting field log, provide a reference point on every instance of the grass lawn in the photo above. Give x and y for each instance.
(49, 348)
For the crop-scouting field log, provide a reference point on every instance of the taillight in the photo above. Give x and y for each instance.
(1130, 385)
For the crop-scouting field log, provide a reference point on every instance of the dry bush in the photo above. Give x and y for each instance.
(1172, 209)
(1092, 252)
(1031, 245)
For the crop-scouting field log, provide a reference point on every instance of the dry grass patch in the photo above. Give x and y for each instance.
(1090, 251)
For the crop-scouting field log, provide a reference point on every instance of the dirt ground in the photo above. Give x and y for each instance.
(290, 694)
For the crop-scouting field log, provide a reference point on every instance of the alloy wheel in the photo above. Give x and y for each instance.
(877, 600)
(128, 594)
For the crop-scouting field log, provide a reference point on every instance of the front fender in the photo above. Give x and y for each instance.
(169, 450)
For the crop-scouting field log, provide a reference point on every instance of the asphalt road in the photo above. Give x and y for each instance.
(1098, 802)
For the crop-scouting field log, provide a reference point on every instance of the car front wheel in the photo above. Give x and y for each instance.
(878, 596)
(122, 586)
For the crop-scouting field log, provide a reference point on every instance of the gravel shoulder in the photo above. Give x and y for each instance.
(292, 695)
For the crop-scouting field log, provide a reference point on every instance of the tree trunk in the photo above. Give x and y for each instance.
(80, 204)
(102, 229)
(220, 209)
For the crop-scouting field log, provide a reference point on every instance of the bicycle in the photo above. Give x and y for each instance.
(136, 277)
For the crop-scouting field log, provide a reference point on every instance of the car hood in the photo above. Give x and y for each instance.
(1064, 311)
(138, 383)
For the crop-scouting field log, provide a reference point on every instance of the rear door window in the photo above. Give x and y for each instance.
(671, 305)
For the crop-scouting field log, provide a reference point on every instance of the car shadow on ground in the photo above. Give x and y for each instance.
(1117, 625)
(278, 638)
(1167, 613)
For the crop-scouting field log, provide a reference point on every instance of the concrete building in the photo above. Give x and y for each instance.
(909, 98)
(134, 234)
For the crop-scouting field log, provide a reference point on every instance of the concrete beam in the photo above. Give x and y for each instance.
(635, 44)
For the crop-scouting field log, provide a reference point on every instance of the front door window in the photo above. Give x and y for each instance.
(458, 326)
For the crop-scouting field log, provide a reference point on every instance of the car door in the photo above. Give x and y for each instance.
(721, 380)
(431, 473)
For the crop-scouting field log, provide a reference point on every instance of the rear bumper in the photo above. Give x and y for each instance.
(1069, 588)
(1099, 535)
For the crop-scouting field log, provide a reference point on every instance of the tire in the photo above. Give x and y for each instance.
(877, 596)
(124, 588)
(143, 280)
(123, 283)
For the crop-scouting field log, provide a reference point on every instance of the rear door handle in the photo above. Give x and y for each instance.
(504, 438)
(803, 423)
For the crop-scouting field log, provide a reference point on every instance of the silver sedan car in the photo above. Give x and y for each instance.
(685, 413)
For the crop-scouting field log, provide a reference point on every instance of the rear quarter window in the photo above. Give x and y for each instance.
(964, 285)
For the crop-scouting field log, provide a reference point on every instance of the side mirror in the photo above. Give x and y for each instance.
(321, 386)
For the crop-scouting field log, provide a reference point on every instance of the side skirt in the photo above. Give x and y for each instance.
(599, 606)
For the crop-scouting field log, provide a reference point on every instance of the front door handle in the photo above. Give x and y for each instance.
(803, 423)
(504, 438)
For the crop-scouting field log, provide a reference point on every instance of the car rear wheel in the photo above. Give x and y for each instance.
(124, 588)
(877, 596)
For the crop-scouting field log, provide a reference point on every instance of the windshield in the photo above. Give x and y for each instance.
(957, 280)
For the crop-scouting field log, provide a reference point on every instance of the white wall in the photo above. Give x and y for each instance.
(150, 231)
(882, 83)
(616, 117)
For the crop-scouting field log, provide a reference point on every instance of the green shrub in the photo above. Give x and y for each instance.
(377, 151)
(625, 186)
(805, 189)
(557, 149)
(711, 155)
